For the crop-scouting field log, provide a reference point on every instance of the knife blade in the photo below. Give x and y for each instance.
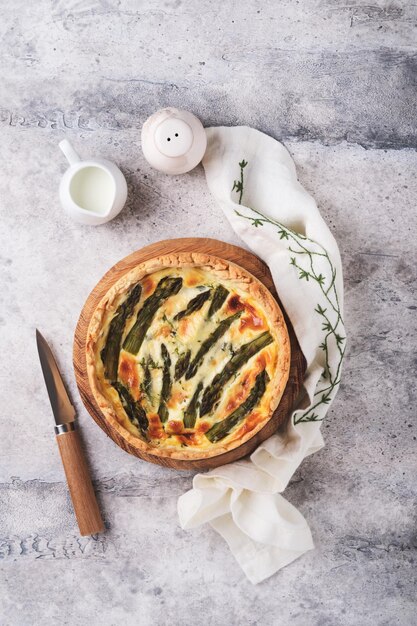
(62, 407)
(69, 444)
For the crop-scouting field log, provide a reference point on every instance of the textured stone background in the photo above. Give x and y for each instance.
(336, 81)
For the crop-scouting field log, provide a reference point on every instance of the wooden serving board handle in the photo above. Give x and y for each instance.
(79, 483)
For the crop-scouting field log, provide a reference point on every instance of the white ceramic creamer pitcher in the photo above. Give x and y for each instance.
(91, 192)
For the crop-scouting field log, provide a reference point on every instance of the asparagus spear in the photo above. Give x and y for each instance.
(182, 364)
(111, 351)
(166, 384)
(248, 350)
(219, 296)
(133, 409)
(209, 342)
(147, 377)
(166, 287)
(194, 304)
(190, 413)
(223, 428)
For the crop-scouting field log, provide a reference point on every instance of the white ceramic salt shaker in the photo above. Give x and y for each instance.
(173, 141)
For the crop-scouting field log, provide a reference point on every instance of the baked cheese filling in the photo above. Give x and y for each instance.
(186, 360)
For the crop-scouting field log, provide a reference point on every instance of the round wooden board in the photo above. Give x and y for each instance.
(237, 255)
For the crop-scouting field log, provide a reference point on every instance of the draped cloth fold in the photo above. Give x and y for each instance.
(254, 181)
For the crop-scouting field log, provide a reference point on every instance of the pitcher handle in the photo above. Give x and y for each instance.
(69, 152)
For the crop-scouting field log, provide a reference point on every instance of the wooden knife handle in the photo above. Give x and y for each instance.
(79, 483)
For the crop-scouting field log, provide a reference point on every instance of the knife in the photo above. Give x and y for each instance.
(69, 444)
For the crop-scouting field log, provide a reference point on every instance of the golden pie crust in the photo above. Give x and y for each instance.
(237, 281)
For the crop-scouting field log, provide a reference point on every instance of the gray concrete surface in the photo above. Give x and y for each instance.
(336, 82)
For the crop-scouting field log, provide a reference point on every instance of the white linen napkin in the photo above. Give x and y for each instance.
(253, 179)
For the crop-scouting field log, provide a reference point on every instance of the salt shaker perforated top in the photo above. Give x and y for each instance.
(173, 141)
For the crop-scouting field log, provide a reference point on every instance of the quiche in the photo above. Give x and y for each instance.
(187, 354)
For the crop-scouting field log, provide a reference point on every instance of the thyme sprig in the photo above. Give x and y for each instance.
(310, 251)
